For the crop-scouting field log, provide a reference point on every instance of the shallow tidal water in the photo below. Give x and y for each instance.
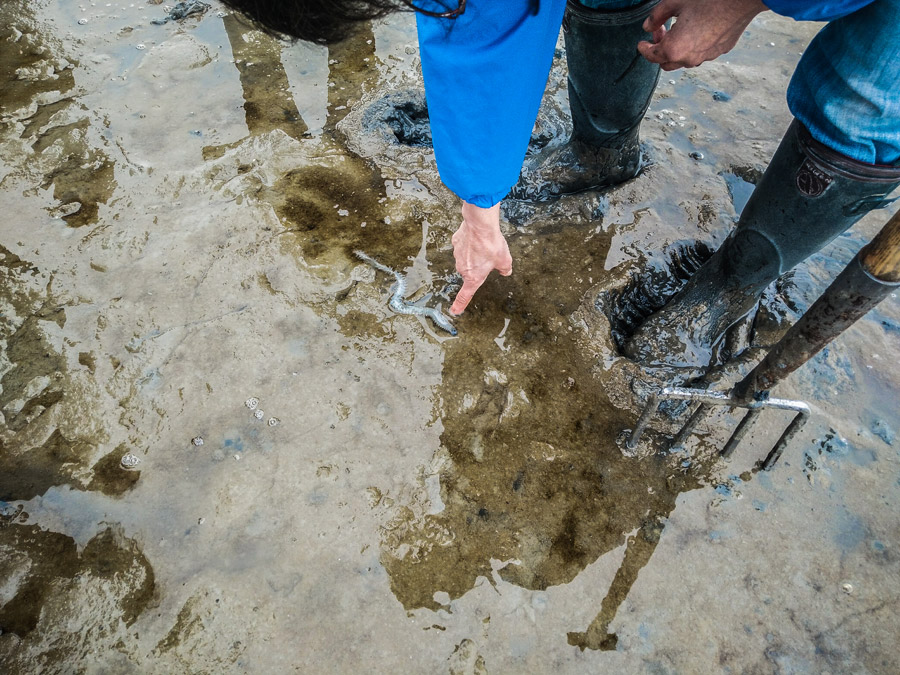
(181, 203)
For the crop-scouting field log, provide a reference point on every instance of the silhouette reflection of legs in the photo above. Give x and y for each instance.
(268, 101)
(532, 474)
(638, 551)
(351, 63)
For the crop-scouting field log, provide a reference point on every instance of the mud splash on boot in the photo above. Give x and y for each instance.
(626, 307)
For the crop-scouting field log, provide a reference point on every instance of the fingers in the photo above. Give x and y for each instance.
(659, 33)
(669, 54)
(664, 11)
(651, 52)
(464, 297)
(472, 283)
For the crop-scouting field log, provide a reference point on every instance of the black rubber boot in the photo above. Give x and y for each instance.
(610, 87)
(808, 195)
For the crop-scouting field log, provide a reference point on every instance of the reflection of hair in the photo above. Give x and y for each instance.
(319, 21)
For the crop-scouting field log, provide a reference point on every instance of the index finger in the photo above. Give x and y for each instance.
(464, 296)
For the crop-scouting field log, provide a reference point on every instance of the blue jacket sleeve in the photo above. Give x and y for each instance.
(485, 73)
(813, 10)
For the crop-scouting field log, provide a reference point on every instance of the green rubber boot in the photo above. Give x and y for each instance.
(808, 195)
(610, 87)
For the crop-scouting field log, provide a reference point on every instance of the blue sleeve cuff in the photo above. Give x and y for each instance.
(810, 10)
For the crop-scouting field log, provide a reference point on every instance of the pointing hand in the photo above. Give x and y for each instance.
(479, 248)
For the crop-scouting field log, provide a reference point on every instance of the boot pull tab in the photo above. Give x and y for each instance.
(811, 180)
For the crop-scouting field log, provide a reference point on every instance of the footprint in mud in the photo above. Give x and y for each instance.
(647, 290)
(625, 301)
(399, 117)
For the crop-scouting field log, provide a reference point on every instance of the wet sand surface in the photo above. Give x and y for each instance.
(323, 485)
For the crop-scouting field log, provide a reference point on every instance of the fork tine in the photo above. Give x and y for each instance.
(740, 432)
(699, 414)
(642, 422)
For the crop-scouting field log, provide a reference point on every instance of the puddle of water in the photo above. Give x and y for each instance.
(431, 501)
(739, 190)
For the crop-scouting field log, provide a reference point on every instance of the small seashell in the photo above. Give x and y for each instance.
(81, 22)
(847, 588)
(259, 414)
(252, 402)
(140, 46)
(697, 156)
(274, 422)
(130, 461)
(197, 441)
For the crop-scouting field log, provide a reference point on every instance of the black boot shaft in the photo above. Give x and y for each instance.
(808, 195)
(610, 83)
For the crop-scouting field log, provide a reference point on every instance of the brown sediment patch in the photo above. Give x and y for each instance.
(20, 54)
(35, 455)
(83, 179)
(43, 563)
(109, 476)
(30, 473)
(535, 473)
(186, 623)
(34, 361)
(110, 555)
(362, 324)
(323, 208)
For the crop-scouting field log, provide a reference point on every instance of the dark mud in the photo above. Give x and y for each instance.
(649, 289)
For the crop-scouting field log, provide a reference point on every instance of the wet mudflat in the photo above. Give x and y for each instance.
(181, 203)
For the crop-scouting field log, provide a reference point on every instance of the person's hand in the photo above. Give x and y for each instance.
(703, 30)
(479, 248)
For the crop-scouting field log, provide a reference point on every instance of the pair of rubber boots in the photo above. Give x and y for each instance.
(808, 195)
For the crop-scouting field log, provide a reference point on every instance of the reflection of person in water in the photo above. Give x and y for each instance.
(485, 65)
(485, 69)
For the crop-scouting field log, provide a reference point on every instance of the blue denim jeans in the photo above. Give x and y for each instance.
(846, 88)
